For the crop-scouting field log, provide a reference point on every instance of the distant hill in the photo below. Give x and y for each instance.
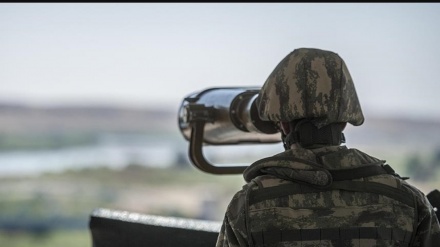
(21, 119)
(416, 134)
(18, 119)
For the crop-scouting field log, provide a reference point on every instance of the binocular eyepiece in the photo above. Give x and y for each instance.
(222, 116)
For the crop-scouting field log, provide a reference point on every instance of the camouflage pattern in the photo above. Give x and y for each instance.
(310, 83)
(269, 211)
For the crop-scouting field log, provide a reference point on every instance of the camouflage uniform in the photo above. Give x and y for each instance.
(297, 198)
(328, 195)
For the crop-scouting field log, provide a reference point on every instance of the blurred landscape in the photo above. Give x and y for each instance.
(59, 163)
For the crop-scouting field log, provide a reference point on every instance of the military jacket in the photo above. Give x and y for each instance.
(332, 196)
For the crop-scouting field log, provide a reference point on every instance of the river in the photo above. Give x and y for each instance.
(117, 152)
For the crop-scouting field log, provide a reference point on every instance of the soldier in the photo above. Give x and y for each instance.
(319, 192)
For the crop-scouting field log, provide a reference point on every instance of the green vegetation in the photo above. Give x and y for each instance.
(424, 168)
(64, 238)
(35, 141)
(138, 175)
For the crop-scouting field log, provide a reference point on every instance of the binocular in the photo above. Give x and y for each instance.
(223, 116)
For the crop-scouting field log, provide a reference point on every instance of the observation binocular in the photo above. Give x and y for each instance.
(223, 116)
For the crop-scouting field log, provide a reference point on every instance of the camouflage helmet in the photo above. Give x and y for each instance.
(313, 84)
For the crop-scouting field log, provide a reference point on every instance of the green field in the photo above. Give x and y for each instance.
(58, 238)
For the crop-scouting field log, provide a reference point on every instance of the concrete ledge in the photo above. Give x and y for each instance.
(111, 228)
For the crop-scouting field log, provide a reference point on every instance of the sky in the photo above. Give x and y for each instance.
(155, 54)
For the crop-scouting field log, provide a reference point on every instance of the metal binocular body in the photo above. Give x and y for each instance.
(223, 116)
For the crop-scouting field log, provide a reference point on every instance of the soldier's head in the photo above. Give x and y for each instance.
(311, 95)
